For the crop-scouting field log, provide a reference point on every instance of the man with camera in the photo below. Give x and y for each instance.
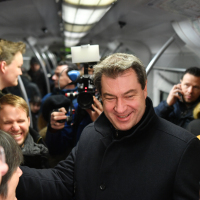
(182, 99)
(127, 153)
(63, 133)
(64, 79)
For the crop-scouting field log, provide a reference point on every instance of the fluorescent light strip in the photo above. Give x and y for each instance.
(82, 16)
(90, 2)
(77, 28)
(74, 35)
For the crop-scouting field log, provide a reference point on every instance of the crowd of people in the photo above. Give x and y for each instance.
(122, 147)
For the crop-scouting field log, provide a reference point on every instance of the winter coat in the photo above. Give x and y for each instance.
(34, 151)
(154, 160)
(194, 127)
(38, 77)
(178, 114)
(65, 139)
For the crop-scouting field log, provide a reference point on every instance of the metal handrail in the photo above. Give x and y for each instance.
(158, 54)
(24, 95)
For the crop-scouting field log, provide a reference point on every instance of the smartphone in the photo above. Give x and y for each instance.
(181, 99)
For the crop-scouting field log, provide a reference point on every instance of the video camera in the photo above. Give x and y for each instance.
(89, 55)
(86, 90)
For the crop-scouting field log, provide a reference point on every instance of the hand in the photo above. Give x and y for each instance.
(173, 95)
(98, 109)
(55, 116)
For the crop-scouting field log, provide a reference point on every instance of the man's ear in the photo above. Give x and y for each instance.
(3, 66)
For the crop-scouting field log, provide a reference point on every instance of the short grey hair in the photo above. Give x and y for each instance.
(116, 64)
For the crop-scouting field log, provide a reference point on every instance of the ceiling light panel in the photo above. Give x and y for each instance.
(70, 42)
(77, 28)
(75, 15)
(91, 2)
(74, 35)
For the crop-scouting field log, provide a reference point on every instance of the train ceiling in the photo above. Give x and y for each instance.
(145, 22)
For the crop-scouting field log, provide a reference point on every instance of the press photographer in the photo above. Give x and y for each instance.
(62, 136)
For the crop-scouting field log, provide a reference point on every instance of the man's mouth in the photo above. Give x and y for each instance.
(123, 116)
(16, 136)
(188, 96)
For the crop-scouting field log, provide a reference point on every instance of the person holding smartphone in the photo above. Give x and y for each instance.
(182, 99)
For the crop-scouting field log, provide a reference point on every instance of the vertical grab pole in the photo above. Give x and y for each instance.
(157, 56)
(47, 62)
(51, 58)
(24, 94)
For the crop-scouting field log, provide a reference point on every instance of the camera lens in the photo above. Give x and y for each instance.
(85, 100)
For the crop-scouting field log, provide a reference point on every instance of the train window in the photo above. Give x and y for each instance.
(163, 95)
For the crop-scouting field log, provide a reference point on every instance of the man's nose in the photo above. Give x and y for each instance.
(15, 127)
(54, 77)
(190, 89)
(120, 106)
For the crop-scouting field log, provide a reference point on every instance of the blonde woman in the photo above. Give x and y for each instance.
(194, 126)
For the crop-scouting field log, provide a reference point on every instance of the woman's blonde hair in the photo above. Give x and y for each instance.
(196, 111)
(8, 50)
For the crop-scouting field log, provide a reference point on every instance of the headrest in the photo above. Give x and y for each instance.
(54, 102)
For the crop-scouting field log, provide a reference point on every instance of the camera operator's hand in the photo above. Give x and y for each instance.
(55, 116)
(174, 94)
(98, 109)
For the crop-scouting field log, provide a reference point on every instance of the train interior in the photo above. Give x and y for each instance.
(164, 34)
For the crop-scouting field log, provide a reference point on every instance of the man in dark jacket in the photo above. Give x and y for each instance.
(61, 142)
(37, 75)
(15, 120)
(127, 153)
(182, 99)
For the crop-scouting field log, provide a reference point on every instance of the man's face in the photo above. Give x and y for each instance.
(64, 79)
(35, 67)
(12, 184)
(123, 100)
(13, 70)
(14, 121)
(190, 86)
(35, 107)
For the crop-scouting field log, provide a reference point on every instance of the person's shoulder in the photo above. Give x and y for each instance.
(88, 131)
(89, 127)
(100, 127)
(194, 127)
(46, 96)
(173, 131)
(40, 73)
